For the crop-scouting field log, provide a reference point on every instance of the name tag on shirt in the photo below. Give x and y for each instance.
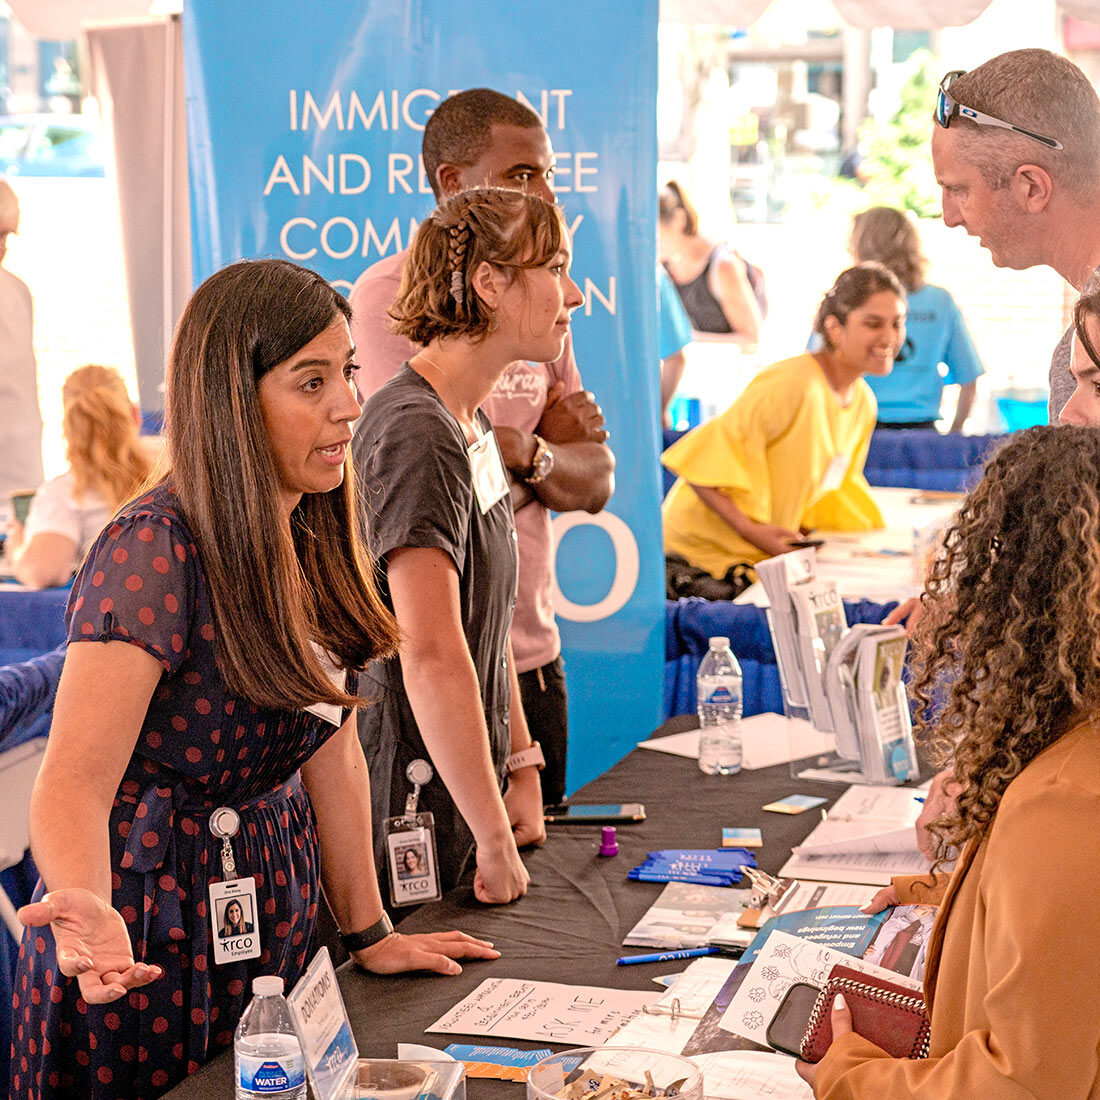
(487, 472)
(834, 474)
(330, 712)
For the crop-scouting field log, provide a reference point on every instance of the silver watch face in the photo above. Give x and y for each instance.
(544, 464)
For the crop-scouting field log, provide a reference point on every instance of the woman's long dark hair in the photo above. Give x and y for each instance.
(1010, 643)
(274, 589)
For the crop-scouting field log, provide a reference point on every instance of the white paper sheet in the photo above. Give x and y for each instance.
(695, 990)
(782, 961)
(577, 1015)
(819, 895)
(746, 1074)
(676, 744)
(872, 868)
(866, 837)
(765, 740)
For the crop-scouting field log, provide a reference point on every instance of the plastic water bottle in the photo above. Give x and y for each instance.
(718, 695)
(266, 1052)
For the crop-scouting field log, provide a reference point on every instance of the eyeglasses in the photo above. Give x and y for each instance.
(947, 109)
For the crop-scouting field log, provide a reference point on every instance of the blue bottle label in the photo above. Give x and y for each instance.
(267, 1075)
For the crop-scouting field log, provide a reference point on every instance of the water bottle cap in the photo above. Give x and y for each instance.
(719, 643)
(268, 985)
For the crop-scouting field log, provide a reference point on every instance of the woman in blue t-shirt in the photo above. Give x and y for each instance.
(936, 336)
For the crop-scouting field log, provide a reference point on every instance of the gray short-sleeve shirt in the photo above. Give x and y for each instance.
(411, 461)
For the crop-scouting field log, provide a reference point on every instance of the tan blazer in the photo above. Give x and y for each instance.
(1013, 975)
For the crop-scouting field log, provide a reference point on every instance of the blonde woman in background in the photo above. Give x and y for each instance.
(107, 459)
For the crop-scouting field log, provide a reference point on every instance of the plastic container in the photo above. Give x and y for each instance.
(629, 1064)
(718, 701)
(267, 1056)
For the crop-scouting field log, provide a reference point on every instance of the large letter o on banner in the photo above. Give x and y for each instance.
(627, 562)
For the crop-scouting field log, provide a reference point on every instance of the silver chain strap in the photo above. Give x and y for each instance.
(903, 1001)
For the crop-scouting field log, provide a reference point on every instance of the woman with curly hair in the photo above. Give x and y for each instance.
(1011, 646)
(108, 461)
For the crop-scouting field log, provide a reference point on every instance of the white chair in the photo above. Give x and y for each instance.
(18, 771)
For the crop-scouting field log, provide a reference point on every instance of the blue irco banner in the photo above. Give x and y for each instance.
(304, 131)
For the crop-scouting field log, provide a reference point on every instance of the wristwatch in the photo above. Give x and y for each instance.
(357, 941)
(525, 758)
(542, 464)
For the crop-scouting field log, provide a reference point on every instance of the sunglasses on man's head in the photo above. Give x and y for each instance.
(948, 108)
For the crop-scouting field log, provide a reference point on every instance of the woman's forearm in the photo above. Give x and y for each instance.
(339, 787)
(445, 698)
(69, 833)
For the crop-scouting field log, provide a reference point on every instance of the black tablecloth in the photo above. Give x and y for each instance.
(570, 926)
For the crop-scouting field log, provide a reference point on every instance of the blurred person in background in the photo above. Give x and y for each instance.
(20, 419)
(673, 335)
(107, 462)
(935, 332)
(722, 294)
(788, 454)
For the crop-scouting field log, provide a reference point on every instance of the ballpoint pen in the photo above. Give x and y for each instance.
(686, 953)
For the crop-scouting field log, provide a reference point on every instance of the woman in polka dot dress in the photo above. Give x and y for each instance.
(206, 628)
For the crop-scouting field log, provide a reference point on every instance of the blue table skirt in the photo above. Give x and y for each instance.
(690, 623)
(31, 623)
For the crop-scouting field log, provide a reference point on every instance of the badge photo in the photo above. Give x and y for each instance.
(410, 854)
(233, 920)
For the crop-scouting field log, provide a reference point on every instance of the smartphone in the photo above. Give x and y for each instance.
(602, 813)
(805, 544)
(789, 1022)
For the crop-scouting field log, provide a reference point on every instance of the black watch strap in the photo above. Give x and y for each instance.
(357, 941)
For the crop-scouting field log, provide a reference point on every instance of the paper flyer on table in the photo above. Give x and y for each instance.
(577, 1015)
(873, 868)
(686, 915)
(782, 961)
(745, 1074)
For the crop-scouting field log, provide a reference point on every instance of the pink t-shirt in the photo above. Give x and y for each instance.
(517, 401)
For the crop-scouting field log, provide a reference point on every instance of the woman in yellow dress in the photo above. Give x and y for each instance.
(787, 456)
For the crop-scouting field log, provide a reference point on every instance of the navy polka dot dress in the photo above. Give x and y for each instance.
(200, 747)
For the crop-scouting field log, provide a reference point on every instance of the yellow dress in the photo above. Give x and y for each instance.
(785, 452)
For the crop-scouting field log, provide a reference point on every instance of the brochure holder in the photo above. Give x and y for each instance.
(843, 695)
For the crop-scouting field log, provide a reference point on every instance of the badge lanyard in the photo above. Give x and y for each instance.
(233, 911)
(410, 845)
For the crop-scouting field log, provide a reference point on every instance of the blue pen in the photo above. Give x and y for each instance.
(918, 798)
(667, 956)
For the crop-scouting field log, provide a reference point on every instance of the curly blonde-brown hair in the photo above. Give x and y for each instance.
(1008, 655)
(507, 229)
(102, 442)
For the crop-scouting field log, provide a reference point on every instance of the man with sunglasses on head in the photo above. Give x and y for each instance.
(1016, 148)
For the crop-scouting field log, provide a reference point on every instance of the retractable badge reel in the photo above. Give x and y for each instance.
(410, 845)
(233, 910)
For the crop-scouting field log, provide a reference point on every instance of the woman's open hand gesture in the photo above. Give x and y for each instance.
(92, 943)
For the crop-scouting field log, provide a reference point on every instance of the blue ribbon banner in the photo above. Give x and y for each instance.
(304, 131)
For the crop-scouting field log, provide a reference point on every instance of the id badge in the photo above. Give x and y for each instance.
(487, 471)
(410, 856)
(834, 474)
(233, 920)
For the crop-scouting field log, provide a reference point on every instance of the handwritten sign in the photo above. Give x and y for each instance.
(579, 1015)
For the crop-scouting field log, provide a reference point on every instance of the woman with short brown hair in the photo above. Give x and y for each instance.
(486, 283)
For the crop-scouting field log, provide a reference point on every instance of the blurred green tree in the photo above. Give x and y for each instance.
(897, 162)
